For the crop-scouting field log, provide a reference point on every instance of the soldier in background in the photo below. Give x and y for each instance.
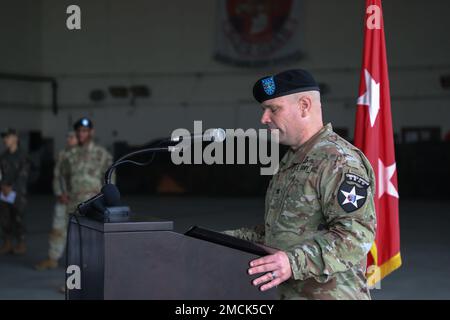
(83, 168)
(85, 165)
(320, 213)
(57, 237)
(14, 170)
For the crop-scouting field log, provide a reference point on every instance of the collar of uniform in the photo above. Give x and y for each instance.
(295, 157)
(88, 146)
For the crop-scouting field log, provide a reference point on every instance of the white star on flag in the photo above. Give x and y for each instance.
(371, 97)
(384, 179)
(353, 199)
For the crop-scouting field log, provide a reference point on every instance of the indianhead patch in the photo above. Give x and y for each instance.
(352, 193)
(268, 85)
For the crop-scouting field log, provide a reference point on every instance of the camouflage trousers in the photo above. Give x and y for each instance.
(57, 239)
(11, 221)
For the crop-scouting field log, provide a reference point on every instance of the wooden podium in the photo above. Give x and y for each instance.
(140, 257)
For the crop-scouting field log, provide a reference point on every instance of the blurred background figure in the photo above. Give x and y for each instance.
(85, 165)
(78, 176)
(57, 237)
(14, 169)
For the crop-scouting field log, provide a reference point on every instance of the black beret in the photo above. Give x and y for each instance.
(83, 122)
(8, 131)
(283, 84)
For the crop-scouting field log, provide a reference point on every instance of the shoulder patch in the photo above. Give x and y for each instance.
(352, 193)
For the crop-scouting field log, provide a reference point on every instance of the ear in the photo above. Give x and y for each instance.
(305, 104)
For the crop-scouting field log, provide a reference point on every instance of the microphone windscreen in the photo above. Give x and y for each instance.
(219, 135)
(111, 195)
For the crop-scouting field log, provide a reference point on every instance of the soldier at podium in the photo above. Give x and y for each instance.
(319, 209)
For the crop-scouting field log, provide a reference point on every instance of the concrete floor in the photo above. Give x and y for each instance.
(425, 235)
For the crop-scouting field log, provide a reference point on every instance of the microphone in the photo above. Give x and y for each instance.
(216, 135)
(109, 196)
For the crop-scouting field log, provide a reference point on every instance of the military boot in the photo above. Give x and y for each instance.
(46, 264)
(20, 248)
(6, 247)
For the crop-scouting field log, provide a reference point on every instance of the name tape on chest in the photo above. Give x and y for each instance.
(307, 165)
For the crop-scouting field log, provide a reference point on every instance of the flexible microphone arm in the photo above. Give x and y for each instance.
(124, 159)
(215, 135)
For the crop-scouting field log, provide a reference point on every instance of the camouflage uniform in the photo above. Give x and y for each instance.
(320, 211)
(60, 217)
(14, 170)
(82, 169)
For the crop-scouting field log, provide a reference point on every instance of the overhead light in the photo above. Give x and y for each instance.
(445, 81)
(140, 91)
(97, 95)
(118, 92)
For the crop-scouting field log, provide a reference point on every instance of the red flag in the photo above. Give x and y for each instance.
(374, 136)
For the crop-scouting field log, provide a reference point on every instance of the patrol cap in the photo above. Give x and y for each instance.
(283, 84)
(8, 132)
(83, 122)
